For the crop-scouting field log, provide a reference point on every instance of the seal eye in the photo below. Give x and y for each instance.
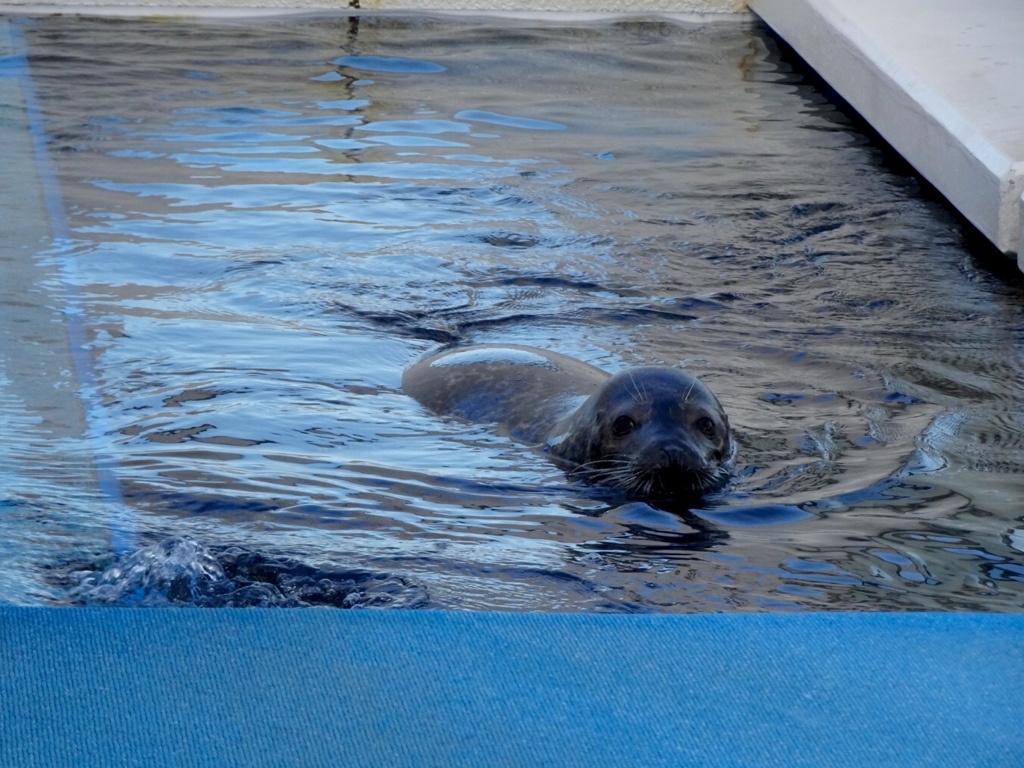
(706, 426)
(623, 425)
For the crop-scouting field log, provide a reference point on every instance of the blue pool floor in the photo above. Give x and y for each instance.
(124, 687)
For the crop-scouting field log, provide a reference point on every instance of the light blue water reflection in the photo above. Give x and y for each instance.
(263, 238)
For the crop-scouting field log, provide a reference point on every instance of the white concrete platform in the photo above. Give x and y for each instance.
(941, 80)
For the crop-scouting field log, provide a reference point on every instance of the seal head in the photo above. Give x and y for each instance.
(652, 432)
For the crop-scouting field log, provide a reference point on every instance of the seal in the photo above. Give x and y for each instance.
(653, 432)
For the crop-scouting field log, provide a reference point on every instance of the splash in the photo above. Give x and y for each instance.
(182, 571)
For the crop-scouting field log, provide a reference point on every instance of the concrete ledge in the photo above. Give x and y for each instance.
(191, 687)
(567, 8)
(939, 79)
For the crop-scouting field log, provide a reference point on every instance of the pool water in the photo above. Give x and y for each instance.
(262, 222)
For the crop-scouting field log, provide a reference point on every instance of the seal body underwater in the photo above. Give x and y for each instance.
(653, 432)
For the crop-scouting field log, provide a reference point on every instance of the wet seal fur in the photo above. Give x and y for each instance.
(653, 432)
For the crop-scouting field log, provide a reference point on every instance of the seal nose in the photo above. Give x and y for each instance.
(675, 471)
(678, 456)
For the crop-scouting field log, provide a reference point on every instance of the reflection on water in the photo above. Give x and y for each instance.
(269, 222)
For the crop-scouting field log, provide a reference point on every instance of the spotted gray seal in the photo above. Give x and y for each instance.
(653, 432)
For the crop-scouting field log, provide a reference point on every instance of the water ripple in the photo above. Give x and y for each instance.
(259, 246)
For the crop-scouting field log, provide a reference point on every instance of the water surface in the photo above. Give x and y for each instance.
(267, 221)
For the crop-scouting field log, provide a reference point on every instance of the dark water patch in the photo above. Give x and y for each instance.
(453, 326)
(184, 572)
(509, 240)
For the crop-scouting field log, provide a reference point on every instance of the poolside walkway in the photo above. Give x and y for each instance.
(192, 687)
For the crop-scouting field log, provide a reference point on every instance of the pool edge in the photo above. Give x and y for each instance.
(188, 687)
(916, 71)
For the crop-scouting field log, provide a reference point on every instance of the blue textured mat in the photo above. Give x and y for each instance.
(120, 687)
